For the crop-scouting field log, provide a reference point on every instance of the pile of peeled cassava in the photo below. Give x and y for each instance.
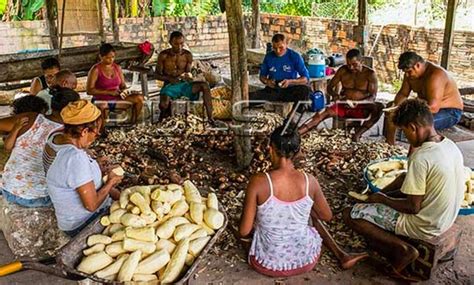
(152, 233)
(468, 201)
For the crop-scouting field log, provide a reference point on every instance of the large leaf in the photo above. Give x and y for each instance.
(30, 7)
(159, 7)
(3, 6)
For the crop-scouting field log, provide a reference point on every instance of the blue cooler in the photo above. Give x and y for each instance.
(317, 66)
(318, 101)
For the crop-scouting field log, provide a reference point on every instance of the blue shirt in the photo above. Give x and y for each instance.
(71, 169)
(288, 66)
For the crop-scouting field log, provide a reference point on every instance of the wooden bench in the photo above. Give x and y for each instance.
(30, 232)
(434, 251)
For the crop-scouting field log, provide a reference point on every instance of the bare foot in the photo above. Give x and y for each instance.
(350, 260)
(356, 137)
(406, 255)
(403, 275)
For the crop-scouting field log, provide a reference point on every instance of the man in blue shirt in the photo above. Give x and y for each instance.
(284, 74)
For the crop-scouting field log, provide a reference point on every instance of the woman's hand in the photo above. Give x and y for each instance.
(113, 178)
(114, 92)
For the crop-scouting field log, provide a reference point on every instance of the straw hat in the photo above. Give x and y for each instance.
(80, 112)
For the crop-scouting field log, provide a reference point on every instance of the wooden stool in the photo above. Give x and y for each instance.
(433, 251)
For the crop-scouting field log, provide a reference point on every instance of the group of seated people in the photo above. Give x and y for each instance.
(279, 203)
(50, 164)
(354, 89)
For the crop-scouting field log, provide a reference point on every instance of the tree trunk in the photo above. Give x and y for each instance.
(238, 67)
(256, 24)
(51, 22)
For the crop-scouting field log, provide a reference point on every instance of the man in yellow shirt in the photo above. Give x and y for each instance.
(431, 192)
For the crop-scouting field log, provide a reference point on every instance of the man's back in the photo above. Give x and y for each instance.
(435, 170)
(435, 73)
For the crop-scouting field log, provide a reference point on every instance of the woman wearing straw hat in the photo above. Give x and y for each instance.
(74, 178)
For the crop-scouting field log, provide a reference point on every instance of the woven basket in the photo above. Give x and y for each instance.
(221, 104)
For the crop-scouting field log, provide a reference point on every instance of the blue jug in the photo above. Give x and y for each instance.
(318, 101)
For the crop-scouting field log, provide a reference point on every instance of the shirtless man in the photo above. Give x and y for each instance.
(434, 85)
(359, 89)
(174, 68)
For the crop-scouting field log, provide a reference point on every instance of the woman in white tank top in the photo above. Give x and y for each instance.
(278, 206)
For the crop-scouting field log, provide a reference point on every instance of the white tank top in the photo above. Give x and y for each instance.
(24, 175)
(283, 239)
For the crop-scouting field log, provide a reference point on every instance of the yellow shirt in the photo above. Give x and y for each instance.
(435, 170)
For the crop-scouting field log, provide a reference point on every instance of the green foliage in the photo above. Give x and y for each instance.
(184, 7)
(30, 7)
(3, 6)
(397, 84)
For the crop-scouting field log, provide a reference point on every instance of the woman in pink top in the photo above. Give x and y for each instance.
(278, 206)
(105, 82)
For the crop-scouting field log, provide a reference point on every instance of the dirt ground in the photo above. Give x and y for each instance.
(216, 271)
(230, 267)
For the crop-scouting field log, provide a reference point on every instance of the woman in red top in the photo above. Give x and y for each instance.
(105, 82)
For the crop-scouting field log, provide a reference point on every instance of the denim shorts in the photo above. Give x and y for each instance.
(29, 203)
(446, 118)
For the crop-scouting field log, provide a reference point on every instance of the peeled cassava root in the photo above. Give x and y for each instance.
(117, 171)
(383, 173)
(468, 201)
(152, 233)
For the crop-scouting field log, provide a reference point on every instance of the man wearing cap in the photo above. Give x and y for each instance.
(74, 178)
(433, 84)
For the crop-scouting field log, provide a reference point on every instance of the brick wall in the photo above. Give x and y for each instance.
(335, 36)
(16, 36)
(208, 34)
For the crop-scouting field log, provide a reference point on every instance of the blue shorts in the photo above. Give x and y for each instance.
(446, 118)
(111, 105)
(28, 203)
(180, 89)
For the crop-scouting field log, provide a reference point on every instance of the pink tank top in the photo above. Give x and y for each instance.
(105, 83)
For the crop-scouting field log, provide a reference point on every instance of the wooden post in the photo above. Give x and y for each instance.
(113, 17)
(238, 67)
(256, 23)
(100, 4)
(53, 30)
(448, 33)
(362, 30)
(61, 34)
